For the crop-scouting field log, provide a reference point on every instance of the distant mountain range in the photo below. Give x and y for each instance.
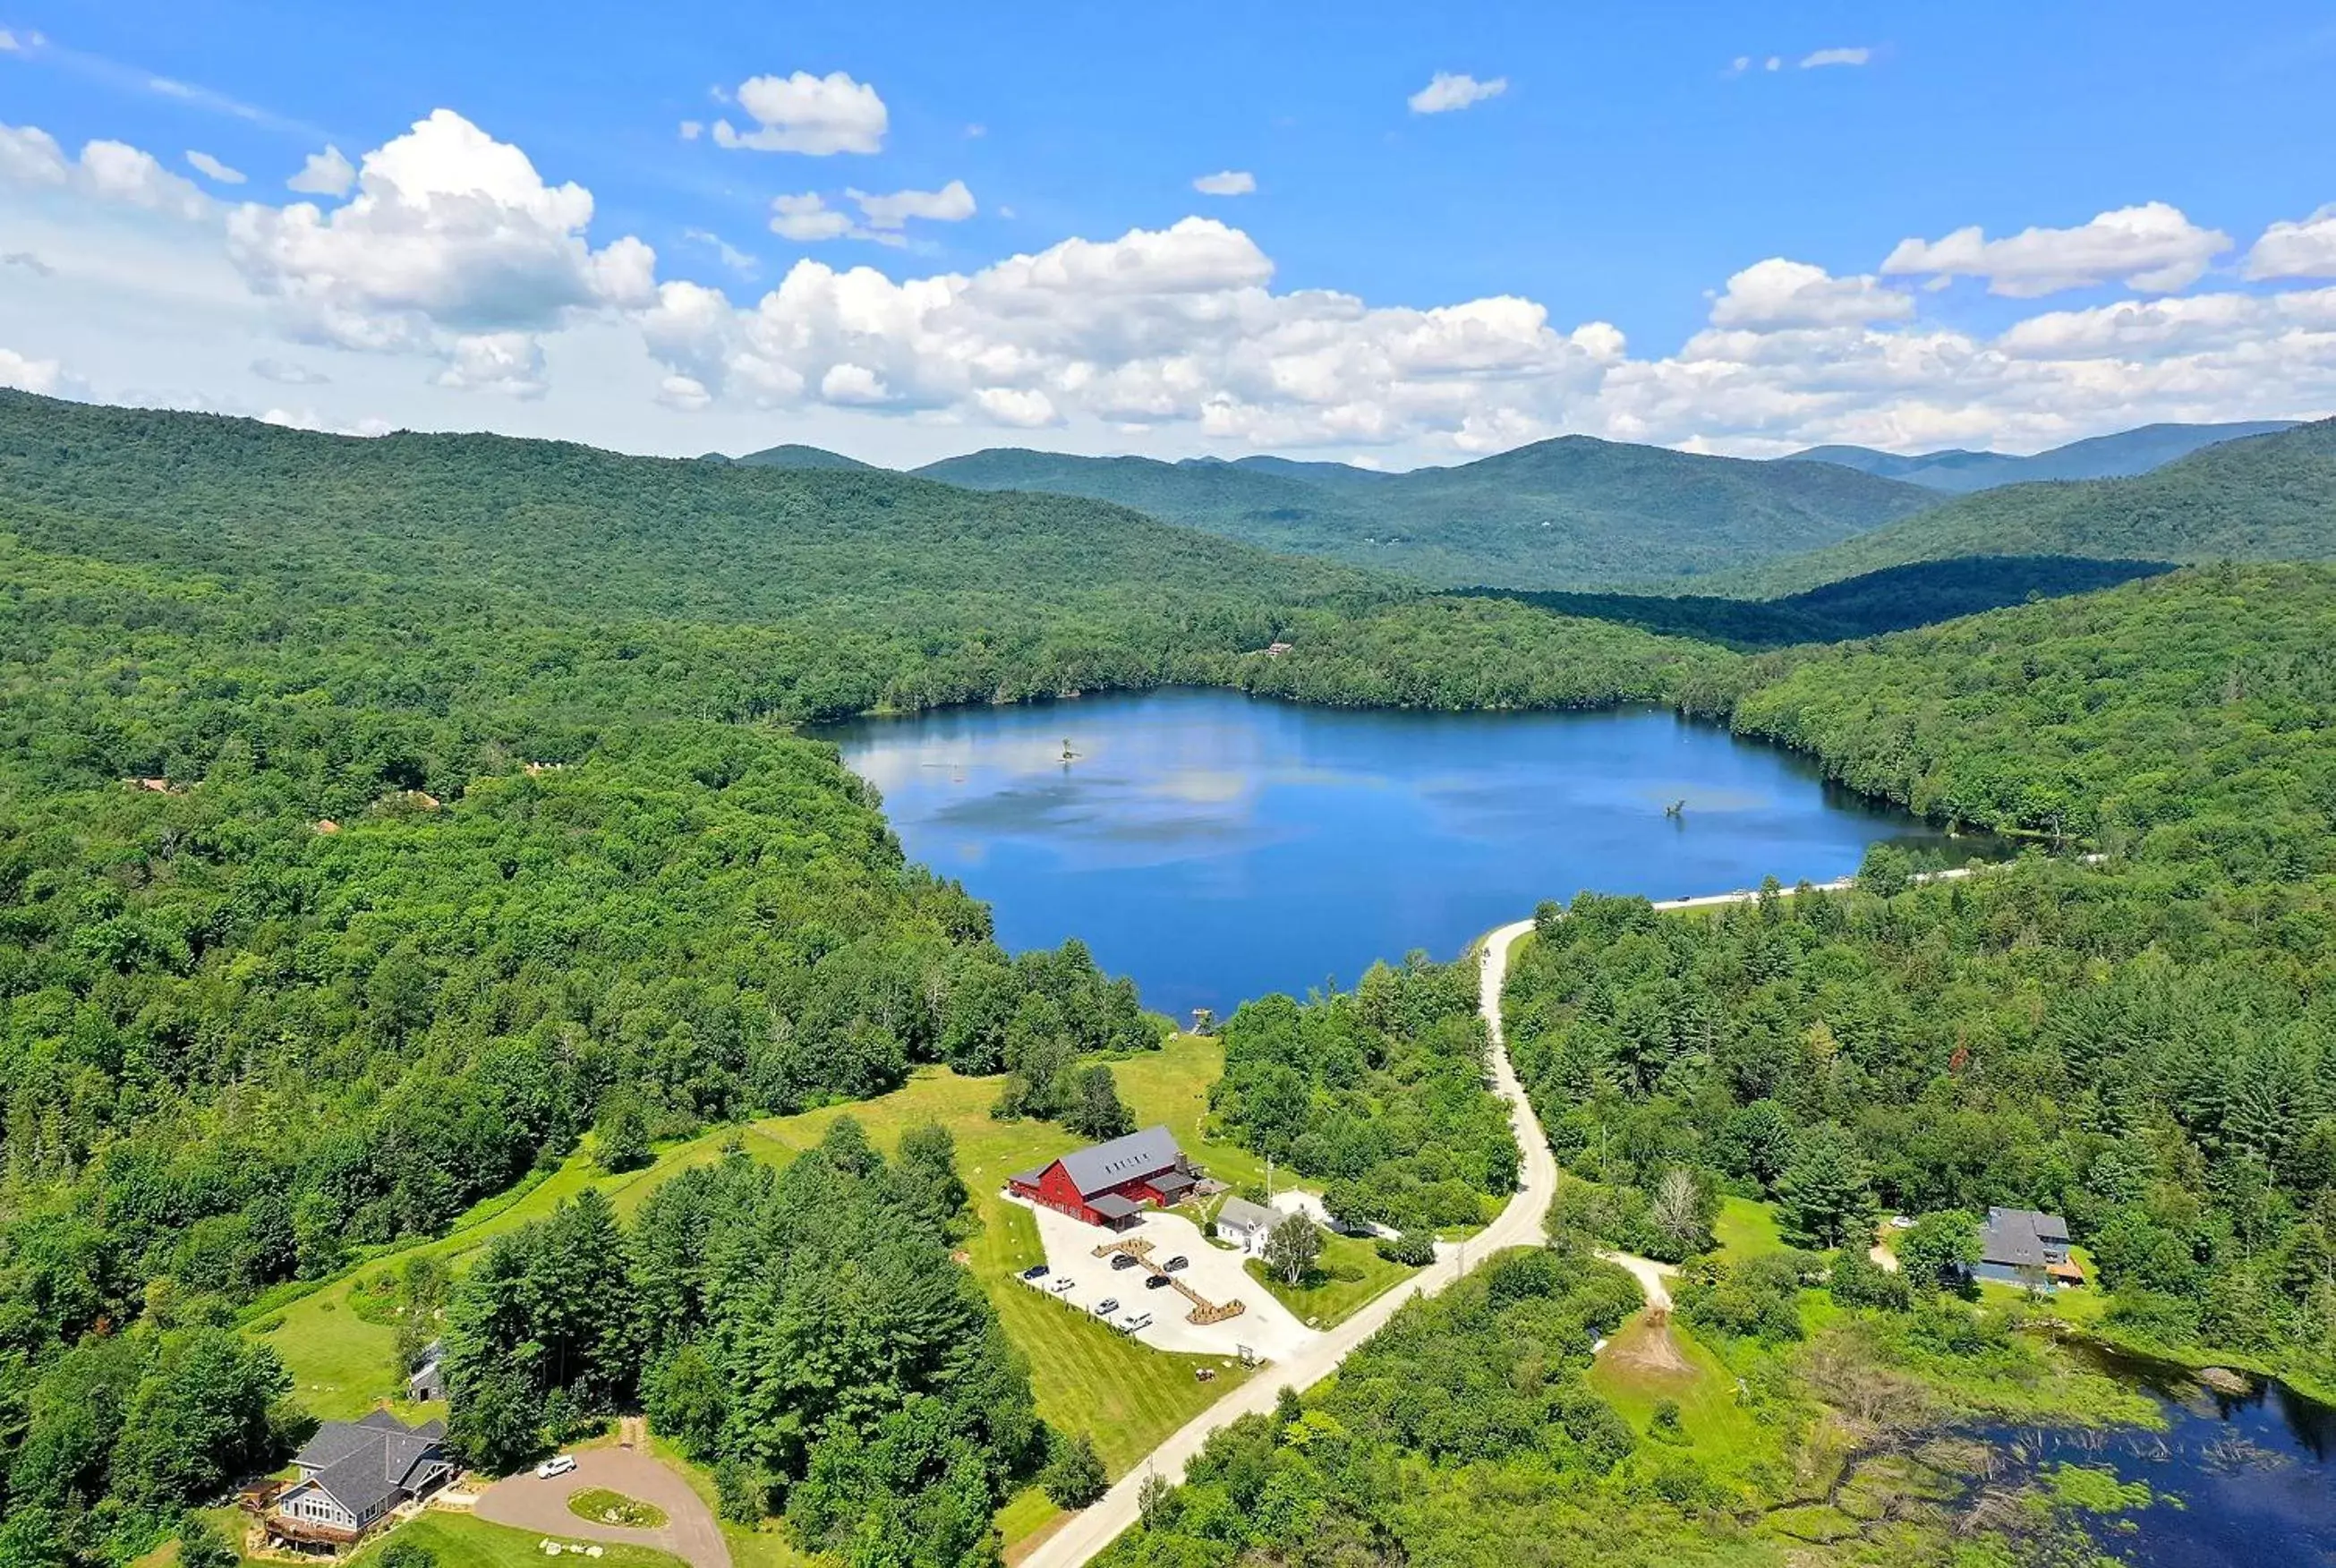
(1577, 513)
(1559, 513)
(2260, 498)
(2117, 456)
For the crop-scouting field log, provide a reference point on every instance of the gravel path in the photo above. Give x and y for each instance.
(689, 1532)
(1519, 1224)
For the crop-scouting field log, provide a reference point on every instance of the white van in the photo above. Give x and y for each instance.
(1134, 1320)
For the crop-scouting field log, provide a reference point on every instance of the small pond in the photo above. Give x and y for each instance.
(2239, 1480)
(1217, 846)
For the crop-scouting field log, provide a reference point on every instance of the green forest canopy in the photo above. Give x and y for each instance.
(1568, 513)
(375, 817)
(2263, 498)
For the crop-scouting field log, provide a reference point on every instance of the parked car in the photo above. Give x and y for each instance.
(1134, 1320)
(1063, 1285)
(1035, 1272)
(1154, 1282)
(1106, 1306)
(1176, 1262)
(1123, 1260)
(558, 1464)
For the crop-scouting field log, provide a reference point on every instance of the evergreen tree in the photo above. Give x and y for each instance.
(930, 1186)
(1095, 1110)
(1825, 1189)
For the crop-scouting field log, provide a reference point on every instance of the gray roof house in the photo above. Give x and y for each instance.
(1244, 1222)
(354, 1472)
(2026, 1247)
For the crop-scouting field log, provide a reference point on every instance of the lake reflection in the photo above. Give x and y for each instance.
(1216, 846)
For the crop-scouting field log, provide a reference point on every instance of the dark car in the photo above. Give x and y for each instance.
(1175, 1264)
(1035, 1271)
(1123, 1261)
(1154, 1282)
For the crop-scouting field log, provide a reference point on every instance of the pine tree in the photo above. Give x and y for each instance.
(1826, 1188)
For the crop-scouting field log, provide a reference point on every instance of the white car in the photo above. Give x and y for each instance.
(558, 1464)
(1064, 1285)
(1134, 1320)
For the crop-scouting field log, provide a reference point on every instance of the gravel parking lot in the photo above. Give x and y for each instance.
(1266, 1326)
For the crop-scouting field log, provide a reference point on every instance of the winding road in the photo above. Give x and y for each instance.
(1520, 1223)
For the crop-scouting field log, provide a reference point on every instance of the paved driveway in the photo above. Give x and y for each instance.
(1268, 1328)
(689, 1532)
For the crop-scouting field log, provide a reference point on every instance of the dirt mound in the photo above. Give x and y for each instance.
(1645, 1346)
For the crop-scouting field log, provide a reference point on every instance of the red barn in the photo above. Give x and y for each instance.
(1110, 1183)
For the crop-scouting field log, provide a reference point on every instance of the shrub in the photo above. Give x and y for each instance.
(1073, 1477)
(1413, 1249)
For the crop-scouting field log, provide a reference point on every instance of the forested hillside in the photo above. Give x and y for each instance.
(1568, 513)
(2186, 717)
(380, 819)
(1895, 599)
(2264, 498)
(2145, 1050)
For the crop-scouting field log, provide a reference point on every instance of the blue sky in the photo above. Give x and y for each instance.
(1625, 171)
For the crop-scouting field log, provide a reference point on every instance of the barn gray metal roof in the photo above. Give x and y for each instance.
(1106, 1165)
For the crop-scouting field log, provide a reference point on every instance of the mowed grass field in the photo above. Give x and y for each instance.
(1086, 1377)
(458, 1541)
(1349, 1273)
(1746, 1229)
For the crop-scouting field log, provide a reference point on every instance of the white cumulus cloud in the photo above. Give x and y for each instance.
(2152, 248)
(205, 164)
(2294, 247)
(326, 173)
(952, 203)
(24, 375)
(449, 231)
(817, 115)
(1156, 326)
(1778, 293)
(509, 363)
(807, 218)
(108, 171)
(1227, 183)
(1447, 91)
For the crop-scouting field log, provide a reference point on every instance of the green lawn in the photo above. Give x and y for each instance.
(1746, 1228)
(1348, 1273)
(605, 1506)
(1721, 1432)
(1086, 1377)
(458, 1541)
(343, 1366)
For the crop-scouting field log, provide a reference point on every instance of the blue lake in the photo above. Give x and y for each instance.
(1216, 846)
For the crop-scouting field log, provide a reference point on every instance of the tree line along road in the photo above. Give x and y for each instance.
(1522, 1222)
